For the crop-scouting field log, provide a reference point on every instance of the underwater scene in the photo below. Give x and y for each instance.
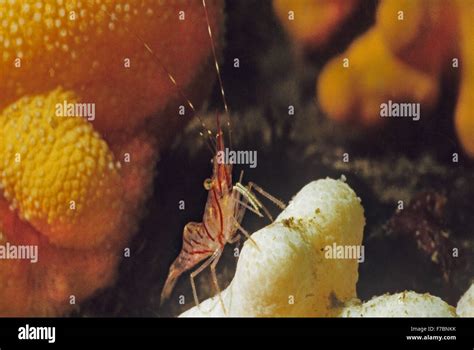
(239, 158)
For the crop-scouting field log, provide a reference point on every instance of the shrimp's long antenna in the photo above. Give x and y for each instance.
(218, 71)
(206, 131)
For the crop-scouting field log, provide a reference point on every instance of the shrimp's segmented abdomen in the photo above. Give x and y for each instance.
(198, 245)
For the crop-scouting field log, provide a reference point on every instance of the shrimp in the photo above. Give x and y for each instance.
(221, 223)
(226, 202)
(224, 211)
(206, 240)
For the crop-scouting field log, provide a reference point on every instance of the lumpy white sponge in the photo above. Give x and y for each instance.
(405, 304)
(465, 307)
(286, 273)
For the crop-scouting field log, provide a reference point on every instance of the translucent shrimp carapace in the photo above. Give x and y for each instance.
(223, 214)
(225, 206)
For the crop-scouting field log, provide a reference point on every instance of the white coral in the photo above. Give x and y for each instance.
(405, 304)
(287, 273)
(465, 307)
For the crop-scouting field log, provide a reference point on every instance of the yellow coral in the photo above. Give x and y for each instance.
(315, 21)
(412, 46)
(372, 75)
(96, 49)
(420, 32)
(464, 118)
(57, 171)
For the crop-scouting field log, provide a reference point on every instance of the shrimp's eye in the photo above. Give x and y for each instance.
(207, 184)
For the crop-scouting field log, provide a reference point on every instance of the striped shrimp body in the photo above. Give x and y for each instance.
(206, 240)
(225, 208)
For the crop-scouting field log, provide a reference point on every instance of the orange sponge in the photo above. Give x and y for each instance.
(96, 49)
(62, 278)
(412, 46)
(312, 23)
(74, 189)
(465, 107)
(58, 172)
(354, 89)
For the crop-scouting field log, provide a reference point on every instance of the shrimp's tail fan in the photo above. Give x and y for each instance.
(170, 283)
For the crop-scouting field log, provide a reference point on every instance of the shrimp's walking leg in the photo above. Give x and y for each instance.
(214, 279)
(197, 272)
(233, 240)
(246, 206)
(246, 192)
(245, 232)
(267, 195)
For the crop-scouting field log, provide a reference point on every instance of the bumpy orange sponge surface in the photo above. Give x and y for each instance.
(96, 48)
(47, 161)
(59, 172)
(66, 186)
